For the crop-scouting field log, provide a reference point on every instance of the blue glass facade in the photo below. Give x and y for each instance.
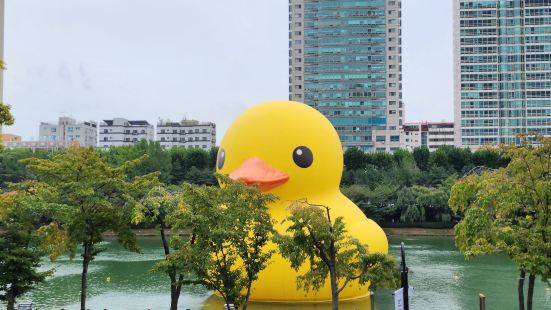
(504, 69)
(340, 52)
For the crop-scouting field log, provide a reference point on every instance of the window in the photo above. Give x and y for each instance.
(380, 139)
(392, 112)
(394, 138)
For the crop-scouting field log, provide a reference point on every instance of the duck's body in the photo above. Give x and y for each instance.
(292, 151)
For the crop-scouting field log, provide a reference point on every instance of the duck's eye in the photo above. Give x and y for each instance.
(221, 159)
(303, 156)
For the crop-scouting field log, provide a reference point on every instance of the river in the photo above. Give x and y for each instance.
(441, 277)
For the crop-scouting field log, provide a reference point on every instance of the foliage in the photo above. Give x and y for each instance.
(6, 118)
(157, 160)
(508, 210)
(157, 207)
(20, 255)
(194, 166)
(383, 184)
(91, 198)
(323, 244)
(11, 170)
(229, 227)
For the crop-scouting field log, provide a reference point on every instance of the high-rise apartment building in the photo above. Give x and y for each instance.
(68, 130)
(345, 61)
(186, 133)
(120, 132)
(502, 74)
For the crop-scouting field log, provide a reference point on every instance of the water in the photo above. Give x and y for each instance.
(441, 277)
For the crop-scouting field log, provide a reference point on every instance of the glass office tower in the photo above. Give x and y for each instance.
(502, 70)
(345, 60)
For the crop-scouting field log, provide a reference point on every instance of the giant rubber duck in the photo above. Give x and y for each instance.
(292, 151)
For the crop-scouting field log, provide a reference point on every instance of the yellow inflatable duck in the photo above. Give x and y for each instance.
(292, 151)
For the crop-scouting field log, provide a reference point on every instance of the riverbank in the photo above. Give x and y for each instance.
(402, 231)
(418, 231)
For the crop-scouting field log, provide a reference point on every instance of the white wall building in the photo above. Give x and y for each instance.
(68, 130)
(186, 133)
(429, 134)
(120, 131)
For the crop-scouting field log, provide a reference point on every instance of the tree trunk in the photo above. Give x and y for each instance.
(246, 301)
(86, 257)
(11, 303)
(521, 290)
(175, 296)
(334, 288)
(531, 281)
(175, 287)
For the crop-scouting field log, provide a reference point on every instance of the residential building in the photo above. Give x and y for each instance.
(49, 146)
(120, 131)
(7, 137)
(430, 134)
(502, 56)
(68, 130)
(345, 60)
(186, 133)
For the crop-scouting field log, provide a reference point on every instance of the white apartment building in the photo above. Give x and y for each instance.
(186, 133)
(430, 134)
(502, 70)
(68, 130)
(120, 132)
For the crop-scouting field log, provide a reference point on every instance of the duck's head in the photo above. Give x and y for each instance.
(287, 148)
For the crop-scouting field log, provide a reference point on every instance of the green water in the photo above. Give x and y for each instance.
(442, 279)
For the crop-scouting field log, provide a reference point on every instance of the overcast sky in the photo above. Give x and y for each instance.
(207, 60)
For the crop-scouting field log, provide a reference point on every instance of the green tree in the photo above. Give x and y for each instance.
(314, 238)
(157, 207)
(421, 156)
(20, 254)
(6, 118)
(229, 227)
(157, 159)
(354, 159)
(192, 165)
(11, 169)
(508, 210)
(92, 198)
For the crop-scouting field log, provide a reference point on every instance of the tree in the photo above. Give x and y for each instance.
(91, 198)
(157, 159)
(230, 228)
(508, 210)
(6, 118)
(421, 156)
(192, 165)
(316, 239)
(20, 255)
(11, 169)
(156, 208)
(354, 159)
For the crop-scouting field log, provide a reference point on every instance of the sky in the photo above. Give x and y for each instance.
(170, 59)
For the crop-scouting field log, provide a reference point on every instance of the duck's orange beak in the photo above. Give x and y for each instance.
(256, 171)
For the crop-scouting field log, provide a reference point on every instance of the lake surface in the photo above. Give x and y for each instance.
(441, 277)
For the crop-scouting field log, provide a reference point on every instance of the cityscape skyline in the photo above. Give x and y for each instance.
(74, 75)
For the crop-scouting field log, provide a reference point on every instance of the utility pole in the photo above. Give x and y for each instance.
(404, 278)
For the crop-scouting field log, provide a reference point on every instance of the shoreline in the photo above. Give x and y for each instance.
(402, 231)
